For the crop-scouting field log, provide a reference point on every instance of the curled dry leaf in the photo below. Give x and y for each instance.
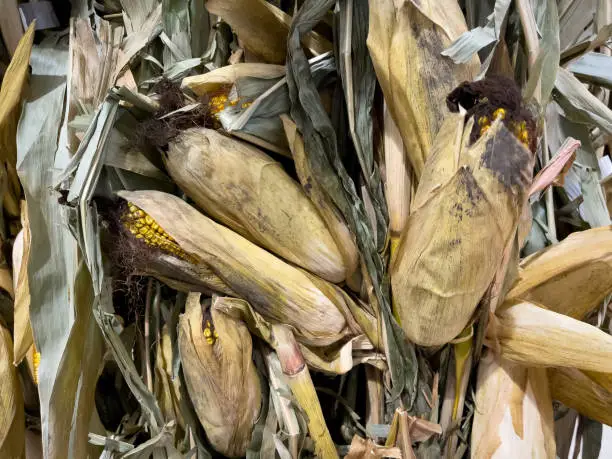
(466, 209)
(247, 190)
(220, 376)
(22, 329)
(513, 416)
(572, 277)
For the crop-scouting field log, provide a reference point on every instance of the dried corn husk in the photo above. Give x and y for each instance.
(220, 377)
(168, 388)
(14, 84)
(262, 28)
(572, 277)
(532, 335)
(465, 211)
(320, 312)
(405, 40)
(337, 360)
(248, 191)
(513, 416)
(577, 390)
(12, 416)
(329, 212)
(22, 328)
(229, 75)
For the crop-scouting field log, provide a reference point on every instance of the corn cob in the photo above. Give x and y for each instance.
(249, 192)
(320, 312)
(220, 377)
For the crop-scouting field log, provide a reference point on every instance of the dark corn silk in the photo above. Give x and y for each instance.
(143, 227)
(492, 98)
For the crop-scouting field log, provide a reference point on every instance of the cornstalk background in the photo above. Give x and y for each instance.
(222, 236)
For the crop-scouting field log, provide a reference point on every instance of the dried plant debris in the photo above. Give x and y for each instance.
(318, 228)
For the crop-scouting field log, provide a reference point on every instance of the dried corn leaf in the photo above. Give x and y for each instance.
(168, 392)
(12, 416)
(327, 168)
(580, 263)
(229, 75)
(11, 92)
(362, 448)
(405, 41)
(221, 377)
(262, 28)
(577, 390)
(22, 329)
(513, 416)
(318, 310)
(359, 83)
(532, 335)
(467, 207)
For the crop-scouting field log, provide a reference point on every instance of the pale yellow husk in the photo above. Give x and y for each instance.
(320, 312)
(464, 214)
(532, 335)
(577, 390)
(22, 329)
(167, 388)
(405, 40)
(572, 277)
(513, 416)
(221, 378)
(329, 212)
(245, 189)
(226, 76)
(12, 416)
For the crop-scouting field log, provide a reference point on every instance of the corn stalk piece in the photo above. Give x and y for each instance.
(513, 416)
(220, 376)
(216, 257)
(529, 334)
(572, 277)
(465, 211)
(248, 191)
(405, 40)
(577, 390)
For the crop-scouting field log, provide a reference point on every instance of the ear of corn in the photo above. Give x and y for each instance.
(532, 335)
(249, 192)
(575, 389)
(405, 40)
(572, 277)
(225, 77)
(220, 376)
(513, 416)
(12, 416)
(320, 312)
(465, 212)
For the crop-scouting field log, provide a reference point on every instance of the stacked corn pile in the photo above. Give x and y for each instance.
(307, 229)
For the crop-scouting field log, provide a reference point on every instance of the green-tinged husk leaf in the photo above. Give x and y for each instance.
(513, 414)
(466, 208)
(248, 191)
(221, 377)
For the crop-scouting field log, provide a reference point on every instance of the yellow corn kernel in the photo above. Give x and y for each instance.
(143, 227)
(483, 130)
(524, 137)
(499, 113)
(36, 364)
(210, 334)
(483, 121)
